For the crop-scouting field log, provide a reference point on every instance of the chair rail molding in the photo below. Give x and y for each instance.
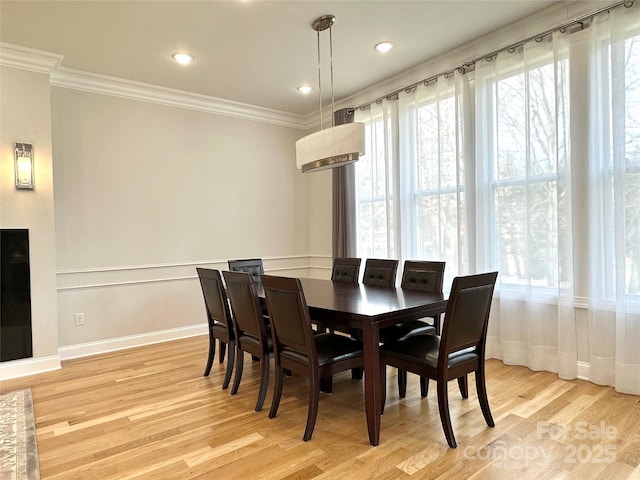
(124, 275)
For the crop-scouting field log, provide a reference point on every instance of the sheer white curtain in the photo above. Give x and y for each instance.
(377, 188)
(614, 200)
(524, 218)
(436, 159)
(481, 172)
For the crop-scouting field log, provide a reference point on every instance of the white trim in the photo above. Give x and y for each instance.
(28, 58)
(28, 366)
(119, 87)
(157, 280)
(131, 341)
(178, 264)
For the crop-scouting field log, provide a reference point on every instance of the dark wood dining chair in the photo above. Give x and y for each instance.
(297, 348)
(424, 276)
(219, 320)
(456, 353)
(380, 272)
(346, 270)
(252, 333)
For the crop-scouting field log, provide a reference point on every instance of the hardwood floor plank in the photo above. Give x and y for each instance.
(148, 413)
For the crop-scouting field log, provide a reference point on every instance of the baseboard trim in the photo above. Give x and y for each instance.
(28, 366)
(122, 343)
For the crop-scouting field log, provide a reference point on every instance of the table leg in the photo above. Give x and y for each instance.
(372, 387)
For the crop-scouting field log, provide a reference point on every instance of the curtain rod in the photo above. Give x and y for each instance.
(470, 63)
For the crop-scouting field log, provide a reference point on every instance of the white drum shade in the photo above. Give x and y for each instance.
(331, 147)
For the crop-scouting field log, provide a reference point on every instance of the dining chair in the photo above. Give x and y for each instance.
(219, 320)
(456, 353)
(252, 333)
(380, 272)
(298, 349)
(346, 270)
(424, 276)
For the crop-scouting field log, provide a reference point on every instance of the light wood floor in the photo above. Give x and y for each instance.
(148, 413)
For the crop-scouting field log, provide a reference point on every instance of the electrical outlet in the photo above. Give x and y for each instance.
(79, 319)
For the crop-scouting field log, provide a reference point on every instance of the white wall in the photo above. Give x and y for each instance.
(25, 116)
(146, 192)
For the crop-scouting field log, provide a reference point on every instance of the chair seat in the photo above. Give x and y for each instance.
(220, 328)
(246, 339)
(412, 327)
(330, 348)
(424, 349)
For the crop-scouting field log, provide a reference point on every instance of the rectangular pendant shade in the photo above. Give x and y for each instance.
(331, 147)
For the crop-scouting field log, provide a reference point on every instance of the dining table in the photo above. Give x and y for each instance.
(347, 306)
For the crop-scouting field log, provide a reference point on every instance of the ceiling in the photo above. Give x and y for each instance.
(252, 51)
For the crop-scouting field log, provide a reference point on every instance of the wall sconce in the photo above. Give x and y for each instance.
(24, 166)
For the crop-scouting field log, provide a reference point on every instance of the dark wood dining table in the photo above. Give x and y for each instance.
(345, 306)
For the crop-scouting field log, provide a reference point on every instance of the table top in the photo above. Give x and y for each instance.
(357, 303)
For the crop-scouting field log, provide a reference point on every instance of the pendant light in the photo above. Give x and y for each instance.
(335, 146)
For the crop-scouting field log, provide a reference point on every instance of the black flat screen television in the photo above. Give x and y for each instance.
(15, 295)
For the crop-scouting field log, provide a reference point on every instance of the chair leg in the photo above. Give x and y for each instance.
(445, 419)
(230, 361)
(383, 386)
(436, 323)
(212, 354)
(402, 383)
(223, 350)
(277, 392)
(424, 386)
(264, 382)
(314, 397)
(481, 389)
(356, 373)
(326, 384)
(463, 384)
(239, 368)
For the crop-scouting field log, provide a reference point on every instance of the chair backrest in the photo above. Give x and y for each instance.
(290, 321)
(380, 272)
(245, 305)
(248, 265)
(215, 298)
(467, 314)
(346, 270)
(423, 275)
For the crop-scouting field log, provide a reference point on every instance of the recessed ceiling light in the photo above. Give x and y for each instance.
(384, 47)
(305, 89)
(182, 58)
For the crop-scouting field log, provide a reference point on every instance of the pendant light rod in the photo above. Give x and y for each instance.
(319, 80)
(335, 146)
(320, 25)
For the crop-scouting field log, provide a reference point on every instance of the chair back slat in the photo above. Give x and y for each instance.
(425, 276)
(245, 304)
(346, 270)
(253, 266)
(467, 314)
(380, 272)
(289, 315)
(215, 298)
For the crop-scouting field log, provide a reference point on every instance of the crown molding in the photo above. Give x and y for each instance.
(118, 87)
(28, 58)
